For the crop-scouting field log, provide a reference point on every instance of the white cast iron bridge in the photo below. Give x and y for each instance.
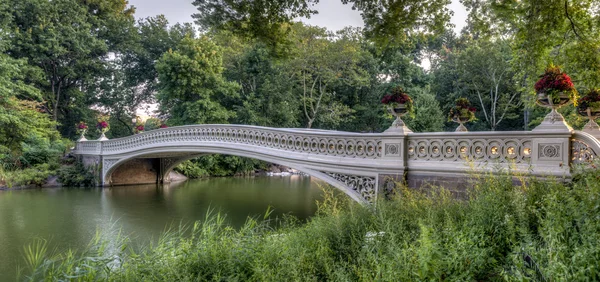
(363, 165)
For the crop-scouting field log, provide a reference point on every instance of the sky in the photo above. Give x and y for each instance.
(332, 13)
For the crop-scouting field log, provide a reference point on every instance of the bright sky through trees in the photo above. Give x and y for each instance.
(332, 14)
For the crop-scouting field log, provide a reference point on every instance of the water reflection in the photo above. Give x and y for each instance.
(68, 218)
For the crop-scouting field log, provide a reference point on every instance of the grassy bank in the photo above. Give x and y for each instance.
(544, 231)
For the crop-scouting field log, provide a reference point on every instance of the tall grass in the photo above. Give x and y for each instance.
(542, 231)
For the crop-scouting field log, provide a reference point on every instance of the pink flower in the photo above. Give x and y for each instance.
(103, 124)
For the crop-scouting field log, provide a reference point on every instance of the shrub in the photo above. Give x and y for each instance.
(77, 175)
(36, 175)
(38, 150)
(219, 166)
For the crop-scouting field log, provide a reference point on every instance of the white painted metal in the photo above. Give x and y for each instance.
(354, 162)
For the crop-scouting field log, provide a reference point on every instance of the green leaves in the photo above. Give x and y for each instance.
(192, 88)
(267, 20)
(20, 114)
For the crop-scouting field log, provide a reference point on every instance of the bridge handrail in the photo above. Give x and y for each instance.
(320, 142)
(488, 147)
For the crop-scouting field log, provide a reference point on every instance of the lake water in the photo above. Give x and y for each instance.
(69, 218)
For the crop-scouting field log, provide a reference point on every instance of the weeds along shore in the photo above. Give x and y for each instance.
(539, 231)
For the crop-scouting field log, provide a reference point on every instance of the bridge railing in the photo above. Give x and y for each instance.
(541, 152)
(319, 142)
(89, 147)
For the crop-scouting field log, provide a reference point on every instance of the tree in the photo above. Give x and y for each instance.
(267, 20)
(386, 22)
(265, 89)
(394, 22)
(320, 62)
(21, 116)
(485, 74)
(70, 41)
(428, 115)
(192, 87)
(131, 80)
(564, 32)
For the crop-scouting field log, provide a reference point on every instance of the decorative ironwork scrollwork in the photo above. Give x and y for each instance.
(581, 152)
(363, 185)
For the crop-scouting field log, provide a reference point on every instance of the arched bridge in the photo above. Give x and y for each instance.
(360, 164)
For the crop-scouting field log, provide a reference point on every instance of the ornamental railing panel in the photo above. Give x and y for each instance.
(584, 148)
(477, 148)
(89, 147)
(320, 142)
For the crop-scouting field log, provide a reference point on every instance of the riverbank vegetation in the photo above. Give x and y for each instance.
(541, 231)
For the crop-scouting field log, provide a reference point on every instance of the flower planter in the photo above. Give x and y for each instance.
(589, 112)
(82, 137)
(591, 126)
(398, 125)
(398, 110)
(461, 120)
(546, 101)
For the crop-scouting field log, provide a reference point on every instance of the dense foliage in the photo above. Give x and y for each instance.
(540, 231)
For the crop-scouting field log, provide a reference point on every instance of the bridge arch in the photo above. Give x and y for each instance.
(362, 189)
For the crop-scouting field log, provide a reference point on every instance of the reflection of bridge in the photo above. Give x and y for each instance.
(358, 164)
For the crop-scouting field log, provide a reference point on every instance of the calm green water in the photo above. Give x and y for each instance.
(69, 218)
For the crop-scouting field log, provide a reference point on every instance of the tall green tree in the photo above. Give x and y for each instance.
(265, 91)
(131, 80)
(486, 77)
(321, 61)
(70, 41)
(563, 32)
(21, 113)
(192, 87)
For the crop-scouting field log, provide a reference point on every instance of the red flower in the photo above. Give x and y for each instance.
(102, 125)
(163, 126)
(140, 128)
(396, 96)
(554, 79)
